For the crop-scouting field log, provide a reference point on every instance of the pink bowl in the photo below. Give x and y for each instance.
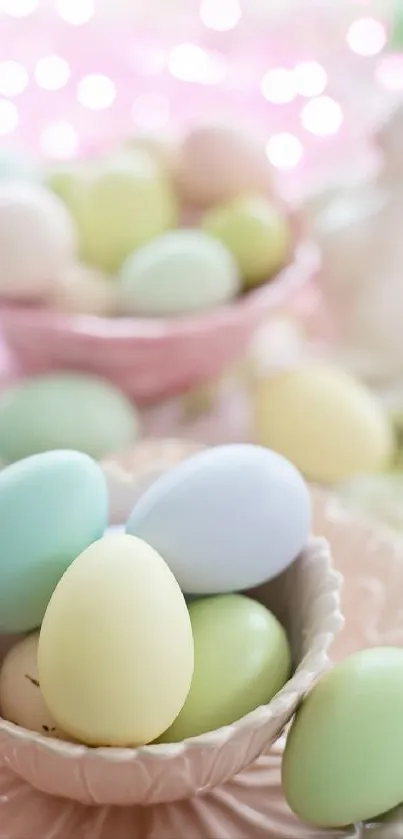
(152, 359)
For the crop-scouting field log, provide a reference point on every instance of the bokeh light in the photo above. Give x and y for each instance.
(9, 118)
(221, 15)
(18, 8)
(366, 36)
(59, 140)
(76, 12)
(310, 78)
(389, 72)
(284, 151)
(13, 78)
(52, 72)
(278, 86)
(96, 92)
(322, 116)
(151, 111)
(191, 63)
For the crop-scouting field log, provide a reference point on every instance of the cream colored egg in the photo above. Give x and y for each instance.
(84, 290)
(21, 699)
(115, 654)
(323, 420)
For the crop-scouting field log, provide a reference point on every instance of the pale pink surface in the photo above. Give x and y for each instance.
(252, 803)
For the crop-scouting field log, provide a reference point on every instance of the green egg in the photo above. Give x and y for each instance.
(343, 762)
(65, 411)
(242, 659)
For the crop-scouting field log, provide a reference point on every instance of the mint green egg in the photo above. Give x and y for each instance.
(65, 411)
(242, 659)
(343, 762)
(52, 506)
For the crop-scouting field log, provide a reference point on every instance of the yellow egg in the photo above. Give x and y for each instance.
(115, 655)
(323, 420)
(84, 290)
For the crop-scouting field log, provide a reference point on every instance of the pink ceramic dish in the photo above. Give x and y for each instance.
(153, 359)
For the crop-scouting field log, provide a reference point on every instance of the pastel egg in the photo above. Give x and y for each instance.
(226, 519)
(115, 654)
(21, 700)
(256, 232)
(180, 272)
(324, 421)
(343, 762)
(65, 410)
(119, 205)
(52, 506)
(37, 239)
(219, 162)
(83, 290)
(160, 148)
(242, 659)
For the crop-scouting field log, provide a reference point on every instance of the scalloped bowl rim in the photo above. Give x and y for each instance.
(255, 719)
(305, 261)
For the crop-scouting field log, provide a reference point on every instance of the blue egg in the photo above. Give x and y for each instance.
(52, 506)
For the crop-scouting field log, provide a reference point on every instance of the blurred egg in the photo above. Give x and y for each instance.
(219, 162)
(256, 232)
(162, 149)
(343, 761)
(65, 410)
(21, 700)
(324, 421)
(52, 506)
(14, 167)
(37, 239)
(119, 205)
(180, 272)
(83, 290)
(242, 659)
(226, 519)
(115, 654)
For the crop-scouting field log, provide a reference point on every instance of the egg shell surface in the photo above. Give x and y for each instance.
(343, 762)
(52, 506)
(182, 271)
(256, 232)
(65, 410)
(324, 421)
(83, 290)
(115, 654)
(21, 700)
(242, 659)
(226, 519)
(37, 239)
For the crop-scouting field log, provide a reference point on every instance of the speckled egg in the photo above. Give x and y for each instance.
(323, 420)
(37, 239)
(21, 700)
(115, 655)
(52, 506)
(343, 762)
(65, 410)
(219, 162)
(183, 271)
(226, 519)
(256, 232)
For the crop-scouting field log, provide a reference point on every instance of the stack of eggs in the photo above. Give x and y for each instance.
(149, 231)
(143, 635)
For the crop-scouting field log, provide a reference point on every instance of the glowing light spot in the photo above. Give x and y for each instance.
(8, 117)
(151, 111)
(18, 8)
(52, 72)
(389, 72)
(322, 116)
(310, 78)
(190, 63)
(76, 12)
(13, 78)
(284, 151)
(366, 36)
(96, 92)
(221, 15)
(59, 140)
(278, 86)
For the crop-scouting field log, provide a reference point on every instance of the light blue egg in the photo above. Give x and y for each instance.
(52, 506)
